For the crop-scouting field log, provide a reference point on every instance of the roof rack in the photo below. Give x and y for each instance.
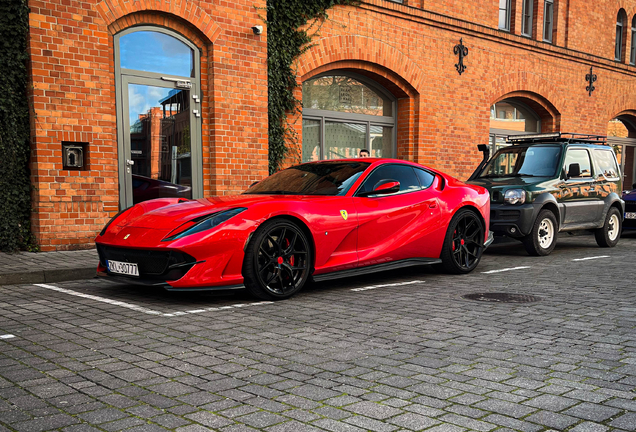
(558, 137)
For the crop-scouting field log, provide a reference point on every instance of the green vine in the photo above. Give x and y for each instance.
(15, 185)
(286, 41)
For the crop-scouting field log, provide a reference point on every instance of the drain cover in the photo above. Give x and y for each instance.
(502, 297)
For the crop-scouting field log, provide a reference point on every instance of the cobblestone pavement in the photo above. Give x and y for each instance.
(389, 352)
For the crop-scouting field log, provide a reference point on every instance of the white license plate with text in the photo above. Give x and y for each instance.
(129, 269)
(630, 215)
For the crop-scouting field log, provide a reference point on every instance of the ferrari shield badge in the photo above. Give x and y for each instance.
(344, 214)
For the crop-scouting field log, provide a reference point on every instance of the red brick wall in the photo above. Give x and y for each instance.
(445, 115)
(73, 99)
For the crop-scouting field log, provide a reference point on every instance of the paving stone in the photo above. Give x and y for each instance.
(413, 421)
(551, 402)
(589, 427)
(588, 411)
(505, 408)
(208, 419)
(552, 420)
(626, 421)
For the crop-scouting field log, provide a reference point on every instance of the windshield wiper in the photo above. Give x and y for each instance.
(525, 175)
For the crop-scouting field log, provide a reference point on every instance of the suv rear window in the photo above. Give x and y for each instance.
(606, 163)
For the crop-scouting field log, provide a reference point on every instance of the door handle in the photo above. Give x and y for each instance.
(432, 205)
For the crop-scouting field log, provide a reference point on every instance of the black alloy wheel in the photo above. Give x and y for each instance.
(464, 243)
(278, 261)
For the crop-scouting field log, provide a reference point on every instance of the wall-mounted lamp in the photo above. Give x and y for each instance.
(257, 29)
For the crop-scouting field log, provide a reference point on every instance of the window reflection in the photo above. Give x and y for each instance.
(344, 94)
(157, 52)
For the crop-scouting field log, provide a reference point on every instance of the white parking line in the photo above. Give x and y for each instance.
(143, 309)
(591, 258)
(506, 269)
(385, 285)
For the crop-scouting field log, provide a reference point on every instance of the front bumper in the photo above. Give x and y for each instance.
(512, 220)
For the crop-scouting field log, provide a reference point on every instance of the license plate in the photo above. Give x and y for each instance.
(129, 269)
(630, 215)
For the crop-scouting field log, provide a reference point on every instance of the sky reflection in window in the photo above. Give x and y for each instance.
(151, 51)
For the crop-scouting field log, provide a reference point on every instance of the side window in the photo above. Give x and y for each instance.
(606, 163)
(402, 173)
(581, 157)
(425, 178)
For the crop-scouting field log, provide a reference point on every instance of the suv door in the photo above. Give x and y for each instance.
(607, 174)
(582, 203)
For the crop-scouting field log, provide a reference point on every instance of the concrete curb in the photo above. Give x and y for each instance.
(47, 276)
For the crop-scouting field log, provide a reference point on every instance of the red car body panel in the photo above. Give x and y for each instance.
(375, 230)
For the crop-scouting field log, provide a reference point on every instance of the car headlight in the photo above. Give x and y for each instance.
(203, 223)
(515, 196)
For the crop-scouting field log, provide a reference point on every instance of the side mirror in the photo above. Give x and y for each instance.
(574, 170)
(383, 187)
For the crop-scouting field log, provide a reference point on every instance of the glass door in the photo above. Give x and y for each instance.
(161, 120)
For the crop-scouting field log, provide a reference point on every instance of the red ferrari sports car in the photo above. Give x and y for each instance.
(317, 220)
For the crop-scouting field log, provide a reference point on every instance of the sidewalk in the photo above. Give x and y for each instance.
(47, 267)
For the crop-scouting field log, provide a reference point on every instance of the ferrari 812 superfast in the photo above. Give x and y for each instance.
(318, 220)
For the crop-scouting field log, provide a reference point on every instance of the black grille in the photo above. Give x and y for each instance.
(150, 262)
(630, 206)
(506, 215)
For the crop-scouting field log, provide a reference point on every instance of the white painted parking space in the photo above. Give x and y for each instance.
(506, 269)
(591, 258)
(371, 287)
(143, 309)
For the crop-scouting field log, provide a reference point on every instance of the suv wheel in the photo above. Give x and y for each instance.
(609, 235)
(542, 238)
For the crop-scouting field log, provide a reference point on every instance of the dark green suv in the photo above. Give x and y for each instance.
(544, 184)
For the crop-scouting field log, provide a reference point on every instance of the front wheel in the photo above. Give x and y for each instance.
(277, 261)
(543, 237)
(609, 235)
(464, 243)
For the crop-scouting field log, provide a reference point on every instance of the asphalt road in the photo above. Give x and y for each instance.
(401, 350)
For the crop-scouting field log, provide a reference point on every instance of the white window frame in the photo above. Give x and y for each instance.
(620, 31)
(507, 8)
(527, 18)
(548, 20)
(632, 50)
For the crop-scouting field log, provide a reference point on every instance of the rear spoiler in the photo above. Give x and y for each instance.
(486, 152)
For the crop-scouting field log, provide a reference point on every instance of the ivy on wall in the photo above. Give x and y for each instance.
(15, 186)
(286, 41)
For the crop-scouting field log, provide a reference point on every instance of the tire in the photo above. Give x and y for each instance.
(609, 235)
(464, 243)
(543, 237)
(277, 261)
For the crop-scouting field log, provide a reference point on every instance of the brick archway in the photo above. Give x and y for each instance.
(112, 12)
(380, 62)
(537, 93)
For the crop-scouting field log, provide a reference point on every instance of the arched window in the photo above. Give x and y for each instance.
(621, 18)
(632, 51)
(511, 117)
(158, 115)
(343, 113)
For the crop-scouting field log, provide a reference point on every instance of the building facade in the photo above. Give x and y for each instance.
(137, 99)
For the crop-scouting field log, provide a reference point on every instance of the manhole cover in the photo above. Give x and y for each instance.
(502, 297)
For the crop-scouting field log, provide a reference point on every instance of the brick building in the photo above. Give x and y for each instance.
(150, 95)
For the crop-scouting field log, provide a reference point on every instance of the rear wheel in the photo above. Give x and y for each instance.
(277, 261)
(464, 243)
(542, 239)
(609, 235)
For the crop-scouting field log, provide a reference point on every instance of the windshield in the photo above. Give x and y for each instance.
(322, 178)
(516, 161)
